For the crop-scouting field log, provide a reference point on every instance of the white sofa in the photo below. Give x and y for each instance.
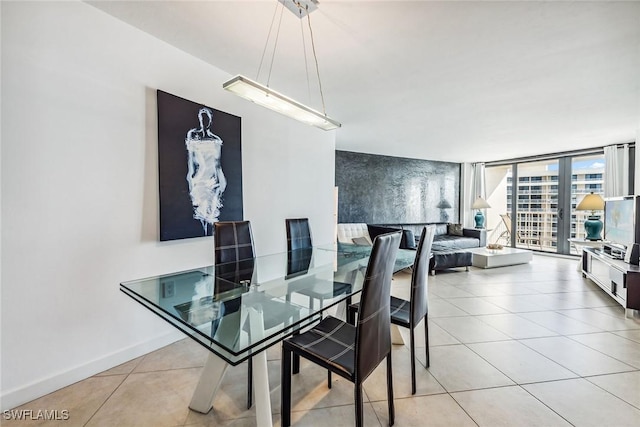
(348, 231)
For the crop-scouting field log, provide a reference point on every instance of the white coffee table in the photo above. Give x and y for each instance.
(488, 258)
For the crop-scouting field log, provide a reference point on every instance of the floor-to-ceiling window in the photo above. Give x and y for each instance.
(533, 201)
(498, 181)
(587, 176)
(536, 207)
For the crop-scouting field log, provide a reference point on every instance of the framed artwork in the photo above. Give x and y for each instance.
(199, 167)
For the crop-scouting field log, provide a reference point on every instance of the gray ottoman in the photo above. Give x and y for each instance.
(449, 259)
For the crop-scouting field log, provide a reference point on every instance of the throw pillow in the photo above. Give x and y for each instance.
(361, 241)
(455, 230)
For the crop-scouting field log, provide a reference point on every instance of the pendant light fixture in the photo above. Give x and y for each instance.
(265, 96)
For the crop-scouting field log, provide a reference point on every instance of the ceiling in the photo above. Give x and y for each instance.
(452, 81)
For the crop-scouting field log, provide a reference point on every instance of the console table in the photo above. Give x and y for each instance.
(616, 277)
(581, 243)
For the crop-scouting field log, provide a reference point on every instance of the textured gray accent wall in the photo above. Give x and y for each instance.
(389, 190)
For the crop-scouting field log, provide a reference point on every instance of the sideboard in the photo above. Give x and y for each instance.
(616, 277)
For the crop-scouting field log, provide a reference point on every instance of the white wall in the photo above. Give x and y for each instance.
(80, 185)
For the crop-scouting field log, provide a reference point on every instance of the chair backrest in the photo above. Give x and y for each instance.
(233, 241)
(298, 234)
(298, 262)
(373, 330)
(420, 276)
(507, 221)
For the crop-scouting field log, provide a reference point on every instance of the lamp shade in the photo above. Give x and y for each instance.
(480, 203)
(591, 202)
(444, 204)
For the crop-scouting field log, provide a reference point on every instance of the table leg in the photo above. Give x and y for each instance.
(260, 371)
(341, 310)
(208, 384)
(214, 368)
(396, 337)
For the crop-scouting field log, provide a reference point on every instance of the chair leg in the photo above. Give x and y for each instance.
(328, 378)
(285, 386)
(250, 384)
(296, 358)
(296, 364)
(426, 340)
(359, 404)
(351, 315)
(412, 347)
(392, 411)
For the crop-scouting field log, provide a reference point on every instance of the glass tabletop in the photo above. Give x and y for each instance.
(240, 308)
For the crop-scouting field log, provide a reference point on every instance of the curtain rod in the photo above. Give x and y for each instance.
(586, 151)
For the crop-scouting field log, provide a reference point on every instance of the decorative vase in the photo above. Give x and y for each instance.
(593, 227)
(479, 218)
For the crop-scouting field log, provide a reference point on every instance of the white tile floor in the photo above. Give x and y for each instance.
(533, 344)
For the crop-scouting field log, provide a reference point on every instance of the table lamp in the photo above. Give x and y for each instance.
(479, 204)
(593, 226)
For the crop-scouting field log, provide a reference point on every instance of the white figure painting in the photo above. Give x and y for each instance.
(205, 177)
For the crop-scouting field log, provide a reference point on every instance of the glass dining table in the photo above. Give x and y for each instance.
(238, 310)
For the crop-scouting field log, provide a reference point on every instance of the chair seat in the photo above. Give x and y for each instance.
(400, 312)
(331, 343)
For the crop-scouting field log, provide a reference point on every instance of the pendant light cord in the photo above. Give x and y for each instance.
(304, 52)
(273, 54)
(275, 45)
(266, 43)
(315, 57)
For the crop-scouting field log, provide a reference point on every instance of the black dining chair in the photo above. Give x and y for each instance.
(234, 253)
(352, 352)
(299, 247)
(410, 313)
(233, 242)
(298, 234)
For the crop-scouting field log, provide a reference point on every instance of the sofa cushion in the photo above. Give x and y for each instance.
(361, 241)
(447, 242)
(441, 229)
(455, 230)
(450, 259)
(407, 241)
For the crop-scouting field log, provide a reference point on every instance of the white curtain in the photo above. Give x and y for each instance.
(616, 170)
(474, 186)
(478, 185)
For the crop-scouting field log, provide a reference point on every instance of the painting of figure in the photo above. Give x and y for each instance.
(205, 177)
(200, 167)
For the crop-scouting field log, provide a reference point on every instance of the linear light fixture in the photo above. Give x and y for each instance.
(265, 96)
(269, 98)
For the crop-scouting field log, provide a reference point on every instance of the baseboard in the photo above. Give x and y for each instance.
(555, 255)
(11, 398)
